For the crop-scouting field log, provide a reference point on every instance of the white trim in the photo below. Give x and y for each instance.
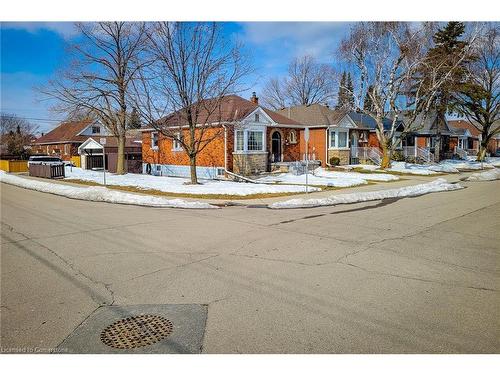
(157, 141)
(250, 117)
(338, 130)
(176, 141)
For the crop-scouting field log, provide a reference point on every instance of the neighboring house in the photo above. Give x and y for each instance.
(247, 139)
(66, 140)
(465, 140)
(494, 143)
(349, 136)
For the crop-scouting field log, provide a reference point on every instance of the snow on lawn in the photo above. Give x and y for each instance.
(98, 194)
(409, 191)
(465, 164)
(322, 177)
(290, 178)
(321, 172)
(179, 185)
(489, 175)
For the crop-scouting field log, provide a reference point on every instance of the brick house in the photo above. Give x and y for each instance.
(65, 141)
(346, 135)
(246, 138)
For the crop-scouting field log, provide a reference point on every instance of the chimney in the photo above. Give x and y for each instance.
(254, 98)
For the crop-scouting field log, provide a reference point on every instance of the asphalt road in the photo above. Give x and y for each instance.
(417, 275)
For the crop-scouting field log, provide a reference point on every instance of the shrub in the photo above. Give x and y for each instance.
(334, 160)
(398, 156)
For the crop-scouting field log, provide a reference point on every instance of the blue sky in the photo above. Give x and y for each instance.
(32, 52)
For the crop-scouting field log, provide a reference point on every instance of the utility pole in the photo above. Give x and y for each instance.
(306, 138)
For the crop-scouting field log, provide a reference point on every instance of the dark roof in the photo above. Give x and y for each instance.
(66, 132)
(460, 126)
(367, 122)
(231, 108)
(314, 114)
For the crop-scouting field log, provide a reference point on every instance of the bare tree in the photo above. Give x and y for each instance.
(194, 69)
(308, 82)
(274, 94)
(479, 98)
(386, 57)
(16, 134)
(104, 62)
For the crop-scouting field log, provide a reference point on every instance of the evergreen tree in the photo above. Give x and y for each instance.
(341, 96)
(135, 120)
(444, 62)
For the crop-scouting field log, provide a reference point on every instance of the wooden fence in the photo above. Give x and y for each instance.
(47, 170)
(14, 165)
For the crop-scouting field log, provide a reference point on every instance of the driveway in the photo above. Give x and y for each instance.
(417, 275)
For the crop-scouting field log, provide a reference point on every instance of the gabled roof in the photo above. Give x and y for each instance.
(313, 115)
(429, 125)
(232, 108)
(66, 132)
(460, 126)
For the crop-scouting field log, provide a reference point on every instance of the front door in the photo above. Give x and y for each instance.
(354, 144)
(276, 147)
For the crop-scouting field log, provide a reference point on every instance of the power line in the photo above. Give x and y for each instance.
(32, 118)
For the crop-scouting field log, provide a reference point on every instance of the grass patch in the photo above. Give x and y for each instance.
(396, 173)
(133, 189)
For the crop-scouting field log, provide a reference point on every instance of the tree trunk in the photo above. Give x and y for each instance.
(192, 163)
(482, 151)
(386, 157)
(120, 160)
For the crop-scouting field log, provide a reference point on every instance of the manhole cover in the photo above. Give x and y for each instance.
(136, 331)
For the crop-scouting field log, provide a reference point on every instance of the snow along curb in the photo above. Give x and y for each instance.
(490, 175)
(99, 194)
(409, 191)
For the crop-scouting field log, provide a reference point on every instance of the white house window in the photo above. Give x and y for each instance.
(292, 136)
(338, 138)
(256, 117)
(240, 140)
(255, 141)
(96, 129)
(176, 142)
(154, 140)
(66, 148)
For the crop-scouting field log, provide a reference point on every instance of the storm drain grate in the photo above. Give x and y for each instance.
(136, 331)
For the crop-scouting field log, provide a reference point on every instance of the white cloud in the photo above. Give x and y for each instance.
(319, 39)
(66, 29)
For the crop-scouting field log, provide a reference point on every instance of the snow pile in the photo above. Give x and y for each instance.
(465, 164)
(493, 161)
(321, 172)
(410, 168)
(489, 175)
(99, 194)
(180, 185)
(322, 177)
(409, 191)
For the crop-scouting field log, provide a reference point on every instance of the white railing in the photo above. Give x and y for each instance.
(462, 154)
(367, 153)
(425, 154)
(410, 151)
(422, 154)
